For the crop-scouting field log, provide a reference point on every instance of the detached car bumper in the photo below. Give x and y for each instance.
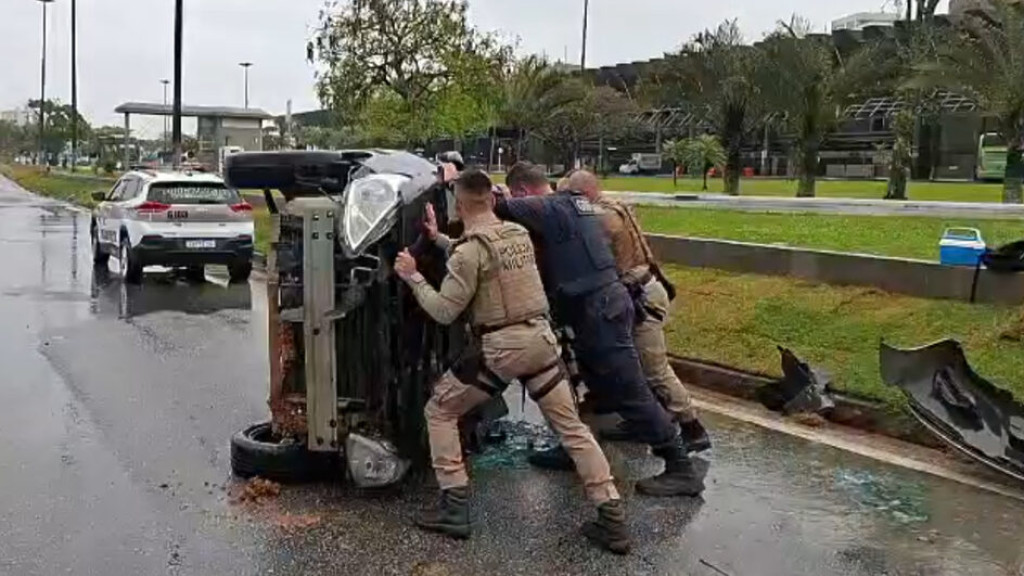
(164, 251)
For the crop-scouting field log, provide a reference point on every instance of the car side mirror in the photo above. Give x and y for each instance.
(99, 196)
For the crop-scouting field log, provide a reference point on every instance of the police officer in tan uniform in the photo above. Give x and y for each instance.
(492, 274)
(638, 269)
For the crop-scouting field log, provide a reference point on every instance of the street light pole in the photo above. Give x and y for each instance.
(42, 89)
(176, 119)
(74, 85)
(583, 51)
(245, 66)
(163, 136)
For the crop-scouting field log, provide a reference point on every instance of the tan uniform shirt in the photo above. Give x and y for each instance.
(466, 264)
(628, 244)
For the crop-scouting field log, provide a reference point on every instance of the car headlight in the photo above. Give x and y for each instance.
(373, 463)
(368, 202)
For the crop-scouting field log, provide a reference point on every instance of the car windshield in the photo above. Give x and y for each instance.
(193, 193)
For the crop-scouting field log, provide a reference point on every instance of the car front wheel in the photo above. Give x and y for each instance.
(256, 451)
(131, 271)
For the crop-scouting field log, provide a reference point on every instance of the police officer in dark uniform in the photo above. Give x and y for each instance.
(583, 286)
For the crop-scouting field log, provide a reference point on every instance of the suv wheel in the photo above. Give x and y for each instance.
(99, 256)
(131, 271)
(256, 452)
(240, 272)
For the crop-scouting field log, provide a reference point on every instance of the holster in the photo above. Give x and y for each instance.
(636, 294)
(670, 288)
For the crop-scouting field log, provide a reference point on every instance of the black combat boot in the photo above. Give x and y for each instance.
(554, 458)
(695, 436)
(609, 530)
(451, 516)
(680, 478)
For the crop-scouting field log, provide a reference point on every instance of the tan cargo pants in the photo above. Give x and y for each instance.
(649, 338)
(512, 353)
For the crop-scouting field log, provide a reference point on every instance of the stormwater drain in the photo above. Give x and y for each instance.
(901, 501)
(517, 440)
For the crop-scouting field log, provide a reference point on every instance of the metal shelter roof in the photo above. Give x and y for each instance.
(873, 107)
(148, 109)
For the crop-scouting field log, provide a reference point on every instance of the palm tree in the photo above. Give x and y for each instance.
(806, 79)
(535, 93)
(982, 59)
(715, 73)
(675, 152)
(701, 153)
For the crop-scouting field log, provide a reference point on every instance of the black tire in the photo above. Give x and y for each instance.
(131, 270)
(255, 453)
(99, 256)
(196, 273)
(240, 272)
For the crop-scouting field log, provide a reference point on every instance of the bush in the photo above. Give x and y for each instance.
(109, 166)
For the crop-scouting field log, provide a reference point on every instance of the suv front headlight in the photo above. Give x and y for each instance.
(369, 202)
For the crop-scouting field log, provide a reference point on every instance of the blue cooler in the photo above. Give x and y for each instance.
(961, 247)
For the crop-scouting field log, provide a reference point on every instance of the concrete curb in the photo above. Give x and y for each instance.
(982, 210)
(866, 415)
(918, 278)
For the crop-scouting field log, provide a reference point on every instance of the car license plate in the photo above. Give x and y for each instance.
(200, 243)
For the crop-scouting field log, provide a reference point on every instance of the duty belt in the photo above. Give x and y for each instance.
(481, 331)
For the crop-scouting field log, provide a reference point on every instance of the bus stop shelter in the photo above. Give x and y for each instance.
(217, 126)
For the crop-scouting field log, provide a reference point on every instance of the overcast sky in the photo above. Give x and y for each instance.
(126, 46)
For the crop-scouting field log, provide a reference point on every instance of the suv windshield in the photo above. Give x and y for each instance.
(193, 193)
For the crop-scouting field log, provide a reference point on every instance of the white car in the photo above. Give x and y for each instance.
(175, 219)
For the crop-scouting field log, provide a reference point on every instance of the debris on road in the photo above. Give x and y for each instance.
(957, 405)
(291, 522)
(802, 389)
(258, 491)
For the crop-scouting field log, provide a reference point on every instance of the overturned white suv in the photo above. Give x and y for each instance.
(173, 219)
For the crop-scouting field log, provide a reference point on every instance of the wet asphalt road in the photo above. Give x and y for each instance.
(116, 406)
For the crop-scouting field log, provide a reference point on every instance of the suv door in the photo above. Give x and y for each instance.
(128, 191)
(105, 212)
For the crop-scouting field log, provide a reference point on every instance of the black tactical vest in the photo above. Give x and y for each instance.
(577, 257)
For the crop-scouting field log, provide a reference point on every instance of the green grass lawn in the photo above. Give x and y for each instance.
(77, 189)
(902, 236)
(866, 189)
(263, 223)
(737, 320)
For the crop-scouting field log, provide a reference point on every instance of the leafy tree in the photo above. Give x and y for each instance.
(806, 79)
(14, 138)
(418, 59)
(59, 121)
(982, 59)
(585, 112)
(697, 154)
(533, 95)
(715, 73)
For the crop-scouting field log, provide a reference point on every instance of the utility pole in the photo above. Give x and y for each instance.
(583, 51)
(245, 66)
(165, 82)
(74, 85)
(42, 91)
(176, 119)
